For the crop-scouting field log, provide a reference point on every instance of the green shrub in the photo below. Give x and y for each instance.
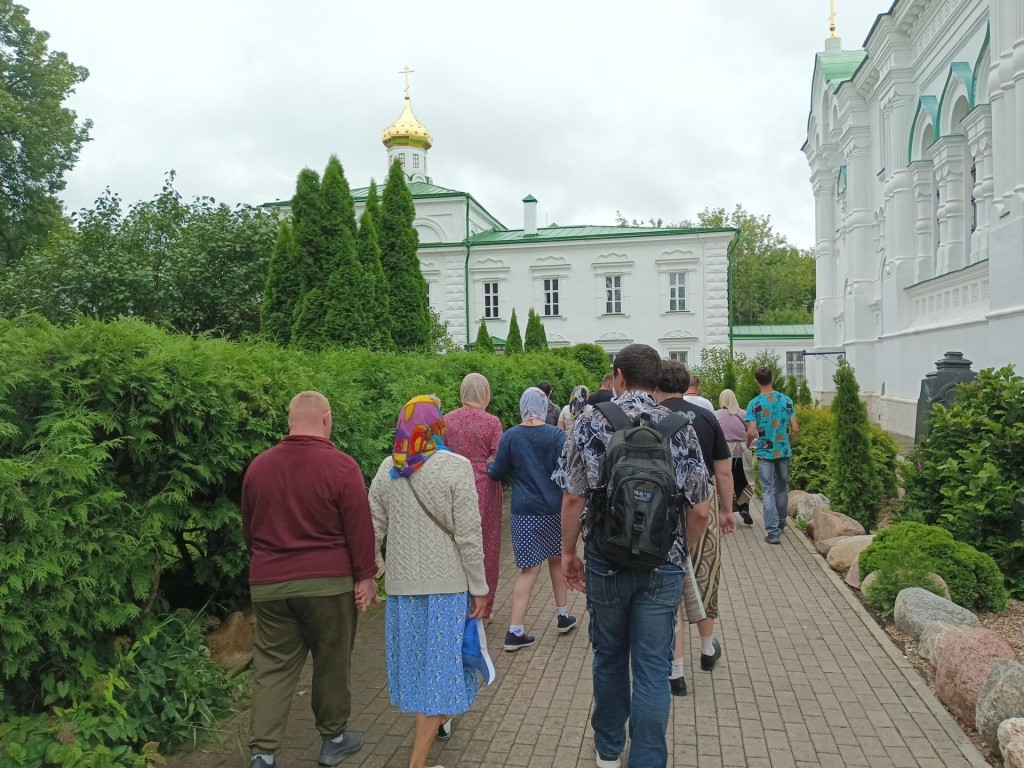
(808, 469)
(854, 487)
(912, 572)
(122, 450)
(591, 357)
(973, 577)
(968, 475)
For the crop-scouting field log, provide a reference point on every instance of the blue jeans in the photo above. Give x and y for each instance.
(775, 491)
(632, 619)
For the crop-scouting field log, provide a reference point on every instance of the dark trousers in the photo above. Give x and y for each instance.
(286, 632)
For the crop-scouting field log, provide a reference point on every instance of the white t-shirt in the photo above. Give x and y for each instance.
(703, 402)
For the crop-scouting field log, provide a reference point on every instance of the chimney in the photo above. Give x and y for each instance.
(530, 216)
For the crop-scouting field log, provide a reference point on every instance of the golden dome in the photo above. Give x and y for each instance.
(407, 131)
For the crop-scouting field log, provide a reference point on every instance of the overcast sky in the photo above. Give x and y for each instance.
(655, 109)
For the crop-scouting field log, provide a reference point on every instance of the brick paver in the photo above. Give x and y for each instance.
(807, 678)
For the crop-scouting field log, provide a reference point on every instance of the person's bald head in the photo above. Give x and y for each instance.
(309, 413)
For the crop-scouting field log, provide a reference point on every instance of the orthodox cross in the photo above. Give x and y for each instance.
(831, 19)
(406, 71)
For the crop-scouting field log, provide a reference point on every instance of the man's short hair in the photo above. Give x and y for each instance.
(545, 387)
(640, 366)
(606, 382)
(764, 375)
(694, 381)
(674, 377)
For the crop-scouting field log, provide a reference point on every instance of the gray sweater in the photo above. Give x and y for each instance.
(422, 559)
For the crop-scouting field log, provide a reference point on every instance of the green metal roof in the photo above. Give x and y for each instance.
(839, 66)
(529, 199)
(784, 331)
(553, 233)
(417, 188)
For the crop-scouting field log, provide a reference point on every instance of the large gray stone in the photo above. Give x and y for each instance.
(916, 608)
(846, 551)
(825, 545)
(1001, 697)
(803, 505)
(1011, 742)
(965, 662)
(932, 639)
(828, 524)
(853, 575)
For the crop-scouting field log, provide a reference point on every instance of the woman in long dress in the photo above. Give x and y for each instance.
(474, 433)
(423, 498)
(735, 430)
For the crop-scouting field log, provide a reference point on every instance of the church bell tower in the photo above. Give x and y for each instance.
(407, 140)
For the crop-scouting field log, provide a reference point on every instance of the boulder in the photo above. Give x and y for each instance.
(829, 524)
(846, 551)
(1001, 697)
(825, 545)
(231, 643)
(916, 608)
(1011, 742)
(934, 637)
(853, 575)
(806, 506)
(809, 530)
(940, 582)
(964, 663)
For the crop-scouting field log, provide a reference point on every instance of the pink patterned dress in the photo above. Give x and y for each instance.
(474, 433)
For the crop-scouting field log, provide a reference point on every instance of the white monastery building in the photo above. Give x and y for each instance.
(605, 285)
(916, 149)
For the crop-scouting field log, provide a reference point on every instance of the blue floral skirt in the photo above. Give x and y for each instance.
(423, 647)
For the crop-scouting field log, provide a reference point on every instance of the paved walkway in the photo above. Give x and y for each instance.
(807, 679)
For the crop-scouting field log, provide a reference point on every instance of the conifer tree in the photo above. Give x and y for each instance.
(283, 288)
(483, 339)
(407, 290)
(854, 486)
(729, 377)
(514, 342)
(376, 300)
(536, 337)
(803, 394)
(373, 205)
(308, 227)
(341, 310)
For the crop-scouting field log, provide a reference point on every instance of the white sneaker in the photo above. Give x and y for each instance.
(606, 763)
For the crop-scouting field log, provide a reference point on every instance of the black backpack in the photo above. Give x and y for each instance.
(636, 518)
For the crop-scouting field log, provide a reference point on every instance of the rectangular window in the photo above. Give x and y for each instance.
(676, 291)
(490, 301)
(680, 356)
(401, 159)
(415, 161)
(613, 295)
(795, 365)
(551, 296)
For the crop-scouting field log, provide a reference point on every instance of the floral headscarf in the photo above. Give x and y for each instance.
(533, 404)
(419, 433)
(578, 400)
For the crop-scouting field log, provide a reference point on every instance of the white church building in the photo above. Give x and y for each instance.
(916, 149)
(605, 285)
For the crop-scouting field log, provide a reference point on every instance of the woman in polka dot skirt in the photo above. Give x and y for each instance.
(528, 453)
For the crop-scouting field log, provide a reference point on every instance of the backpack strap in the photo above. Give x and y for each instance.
(616, 417)
(671, 424)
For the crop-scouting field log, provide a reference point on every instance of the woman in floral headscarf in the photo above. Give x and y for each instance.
(529, 453)
(423, 498)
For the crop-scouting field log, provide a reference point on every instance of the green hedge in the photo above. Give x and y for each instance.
(122, 450)
(973, 577)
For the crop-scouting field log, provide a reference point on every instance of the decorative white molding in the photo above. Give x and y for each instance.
(679, 335)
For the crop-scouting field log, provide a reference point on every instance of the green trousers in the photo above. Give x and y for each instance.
(286, 632)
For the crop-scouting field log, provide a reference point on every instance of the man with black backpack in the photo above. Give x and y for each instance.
(634, 481)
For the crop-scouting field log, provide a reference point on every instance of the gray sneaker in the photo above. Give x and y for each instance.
(258, 761)
(333, 752)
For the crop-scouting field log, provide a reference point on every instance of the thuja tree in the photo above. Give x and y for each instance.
(375, 299)
(283, 289)
(854, 487)
(514, 341)
(536, 337)
(411, 322)
(483, 339)
(345, 320)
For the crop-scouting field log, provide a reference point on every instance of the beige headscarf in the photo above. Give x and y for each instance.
(475, 391)
(727, 399)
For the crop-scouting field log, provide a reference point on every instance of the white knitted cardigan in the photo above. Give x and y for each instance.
(421, 559)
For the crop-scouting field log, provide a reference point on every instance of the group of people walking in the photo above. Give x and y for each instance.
(433, 516)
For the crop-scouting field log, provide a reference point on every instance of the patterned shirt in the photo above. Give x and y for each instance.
(581, 466)
(770, 412)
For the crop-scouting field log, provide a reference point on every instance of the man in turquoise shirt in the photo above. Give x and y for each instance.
(771, 420)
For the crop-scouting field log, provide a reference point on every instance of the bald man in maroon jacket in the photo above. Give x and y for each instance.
(306, 523)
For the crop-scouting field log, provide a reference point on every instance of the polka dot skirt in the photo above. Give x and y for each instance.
(535, 538)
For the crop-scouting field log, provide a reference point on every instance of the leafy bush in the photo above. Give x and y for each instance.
(591, 357)
(973, 577)
(912, 572)
(854, 487)
(122, 450)
(968, 475)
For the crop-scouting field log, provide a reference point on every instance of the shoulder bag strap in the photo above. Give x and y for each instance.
(616, 417)
(429, 514)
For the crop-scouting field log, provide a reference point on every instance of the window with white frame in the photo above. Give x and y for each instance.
(552, 297)
(491, 301)
(680, 355)
(401, 159)
(676, 291)
(415, 161)
(795, 365)
(613, 294)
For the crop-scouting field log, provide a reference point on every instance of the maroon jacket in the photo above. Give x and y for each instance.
(305, 514)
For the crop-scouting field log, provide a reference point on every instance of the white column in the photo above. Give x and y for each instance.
(921, 174)
(948, 155)
(978, 125)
